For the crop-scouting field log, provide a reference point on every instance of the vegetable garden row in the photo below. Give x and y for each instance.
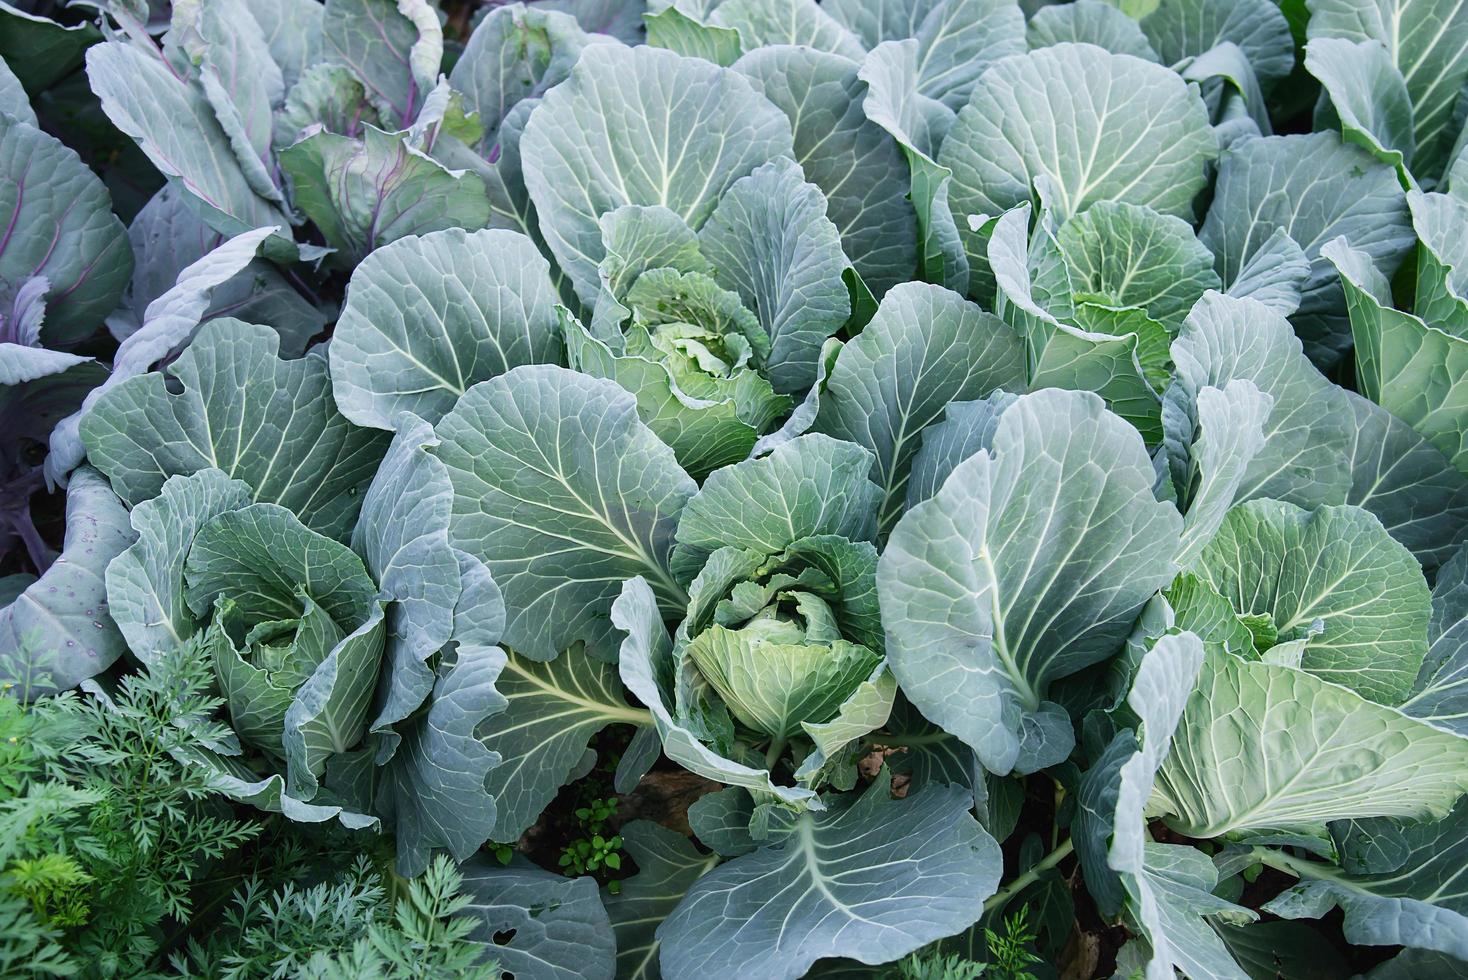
(909, 489)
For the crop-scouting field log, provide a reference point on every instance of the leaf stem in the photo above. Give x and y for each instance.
(1001, 898)
(1287, 863)
(772, 754)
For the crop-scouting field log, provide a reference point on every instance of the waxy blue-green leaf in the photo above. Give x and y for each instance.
(1427, 41)
(1028, 564)
(776, 677)
(552, 710)
(691, 37)
(849, 157)
(918, 124)
(432, 792)
(770, 241)
(1334, 566)
(1368, 96)
(667, 866)
(364, 193)
(1146, 141)
(720, 820)
(1305, 456)
(563, 492)
(330, 96)
(1442, 260)
(762, 23)
(402, 537)
(682, 132)
(243, 85)
(1265, 748)
(1168, 888)
(1089, 22)
(966, 428)
(957, 40)
(1316, 188)
(13, 100)
(517, 52)
(557, 928)
(176, 128)
(872, 880)
(167, 237)
(1181, 29)
(709, 421)
(428, 317)
(812, 485)
(926, 347)
(1129, 255)
(145, 584)
(293, 33)
(1402, 889)
(1440, 694)
(56, 631)
(1409, 485)
(1113, 352)
(620, 19)
(1413, 369)
(268, 422)
(1275, 275)
(59, 225)
(168, 324)
(265, 563)
(1229, 435)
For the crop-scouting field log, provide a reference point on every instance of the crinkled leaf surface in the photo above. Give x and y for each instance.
(1440, 694)
(364, 193)
(517, 52)
(1407, 483)
(168, 323)
(1089, 22)
(1143, 140)
(175, 126)
(850, 158)
(390, 46)
(1411, 368)
(145, 584)
(242, 410)
(1427, 40)
(926, 347)
(167, 237)
(427, 317)
(679, 134)
(563, 492)
(770, 241)
(1316, 188)
(1335, 566)
(645, 663)
(1305, 456)
(808, 486)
